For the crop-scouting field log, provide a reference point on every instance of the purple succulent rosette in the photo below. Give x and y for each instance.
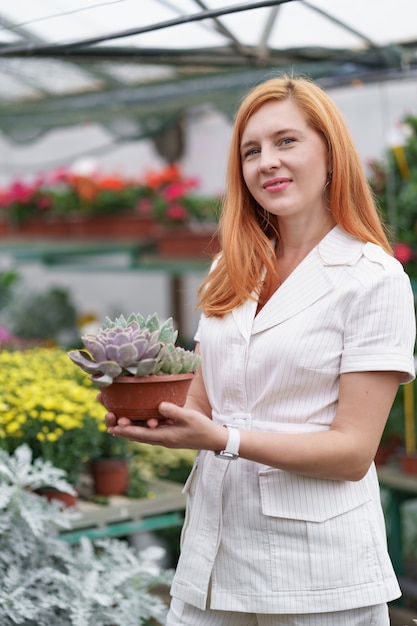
(133, 347)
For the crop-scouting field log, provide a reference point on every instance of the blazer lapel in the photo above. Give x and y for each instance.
(244, 316)
(310, 280)
(306, 284)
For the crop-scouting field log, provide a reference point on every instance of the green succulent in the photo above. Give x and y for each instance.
(133, 347)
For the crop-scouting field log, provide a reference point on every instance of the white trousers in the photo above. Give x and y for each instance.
(181, 614)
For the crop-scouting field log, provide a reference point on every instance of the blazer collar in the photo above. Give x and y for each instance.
(309, 282)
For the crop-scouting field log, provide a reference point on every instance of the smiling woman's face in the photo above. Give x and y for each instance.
(284, 161)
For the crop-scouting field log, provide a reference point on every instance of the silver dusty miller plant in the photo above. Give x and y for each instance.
(48, 582)
(133, 347)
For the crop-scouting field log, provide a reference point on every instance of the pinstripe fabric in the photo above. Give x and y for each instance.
(267, 541)
(186, 615)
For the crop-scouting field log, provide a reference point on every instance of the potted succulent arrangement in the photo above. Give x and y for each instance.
(137, 364)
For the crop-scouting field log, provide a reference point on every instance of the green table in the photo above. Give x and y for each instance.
(123, 516)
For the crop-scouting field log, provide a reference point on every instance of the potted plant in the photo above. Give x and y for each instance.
(109, 463)
(49, 405)
(46, 580)
(172, 199)
(137, 365)
(67, 202)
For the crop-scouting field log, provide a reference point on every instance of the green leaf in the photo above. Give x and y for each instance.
(152, 322)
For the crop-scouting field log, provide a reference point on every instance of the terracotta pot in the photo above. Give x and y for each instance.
(127, 225)
(139, 398)
(110, 476)
(387, 449)
(4, 227)
(50, 493)
(409, 463)
(382, 455)
(183, 242)
(124, 226)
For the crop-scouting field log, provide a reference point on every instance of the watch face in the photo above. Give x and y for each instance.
(229, 456)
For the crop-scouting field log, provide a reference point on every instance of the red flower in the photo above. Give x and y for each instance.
(20, 192)
(403, 252)
(176, 213)
(173, 191)
(112, 183)
(168, 175)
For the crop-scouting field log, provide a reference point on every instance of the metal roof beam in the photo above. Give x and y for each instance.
(31, 49)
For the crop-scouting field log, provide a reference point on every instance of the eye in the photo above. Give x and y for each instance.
(247, 154)
(287, 141)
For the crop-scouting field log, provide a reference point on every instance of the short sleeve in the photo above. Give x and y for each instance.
(381, 327)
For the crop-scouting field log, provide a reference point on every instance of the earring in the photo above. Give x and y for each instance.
(324, 191)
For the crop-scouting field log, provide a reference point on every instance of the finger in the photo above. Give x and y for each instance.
(134, 432)
(169, 410)
(125, 421)
(110, 419)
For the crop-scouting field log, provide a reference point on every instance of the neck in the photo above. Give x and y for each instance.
(297, 239)
(294, 245)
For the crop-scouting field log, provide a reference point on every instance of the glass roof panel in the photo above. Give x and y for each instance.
(59, 21)
(112, 64)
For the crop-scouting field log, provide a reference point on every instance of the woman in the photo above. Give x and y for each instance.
(307, 330)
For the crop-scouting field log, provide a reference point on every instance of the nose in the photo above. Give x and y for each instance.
(269, 159)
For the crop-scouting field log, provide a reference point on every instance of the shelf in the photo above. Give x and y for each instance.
(123, 516)
(88, 256)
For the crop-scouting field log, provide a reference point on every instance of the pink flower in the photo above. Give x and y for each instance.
(20, 192)
(173, 191)
(192, 183)
(176, 212)
(58, 175)
(403, 252)
(5, 335)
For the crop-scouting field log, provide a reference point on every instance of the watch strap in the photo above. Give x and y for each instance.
(231, 451)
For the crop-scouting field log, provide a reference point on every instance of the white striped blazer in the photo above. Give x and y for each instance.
(259, 539)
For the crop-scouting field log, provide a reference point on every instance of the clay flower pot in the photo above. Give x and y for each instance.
(408, 462)
(139, 398)
(51, 493)
(110, 476)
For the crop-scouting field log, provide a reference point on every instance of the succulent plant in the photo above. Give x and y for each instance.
(133, 347)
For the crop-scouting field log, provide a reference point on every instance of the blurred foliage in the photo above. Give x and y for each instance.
(394, 182)
(8, 280)
(50, 405)
(48, 316)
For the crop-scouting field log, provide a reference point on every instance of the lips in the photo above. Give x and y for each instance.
(276, 184)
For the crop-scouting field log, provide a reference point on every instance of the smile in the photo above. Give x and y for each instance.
(276, 184)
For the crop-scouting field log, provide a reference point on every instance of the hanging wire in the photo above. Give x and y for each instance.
(32, 49)
(63, 14)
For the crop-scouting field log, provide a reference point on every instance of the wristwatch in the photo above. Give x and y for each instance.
(231, 451)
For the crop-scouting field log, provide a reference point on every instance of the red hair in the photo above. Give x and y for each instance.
(247, 256)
